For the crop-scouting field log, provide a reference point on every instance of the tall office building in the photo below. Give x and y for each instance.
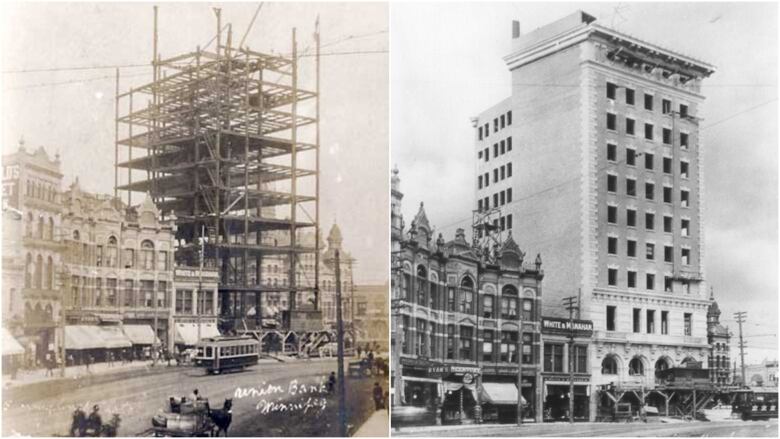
(594, 161)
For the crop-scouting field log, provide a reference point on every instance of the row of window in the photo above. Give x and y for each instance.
(499, 148)
(44, 228)
(649, 160)
(649, 193)
(648, 101)
(649, 130)
(459, 343)
(500, 198)
(631, 280)
(502, 223)
(184, 299)
(499, 174)
(650, 321)
(40, 190)
(499, 122)
(553, 358)
(84, 296)
(631, 220)
(37, 274)
(631, 250)
(108, 256)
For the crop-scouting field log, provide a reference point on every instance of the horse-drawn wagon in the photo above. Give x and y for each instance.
(185, 418)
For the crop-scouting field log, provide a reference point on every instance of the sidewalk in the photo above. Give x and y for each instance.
(25, 377)
(377, 425)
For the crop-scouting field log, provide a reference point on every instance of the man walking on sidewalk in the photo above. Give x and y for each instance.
(379, 396)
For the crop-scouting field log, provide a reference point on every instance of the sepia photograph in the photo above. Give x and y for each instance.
(584, 219)
(195, 219)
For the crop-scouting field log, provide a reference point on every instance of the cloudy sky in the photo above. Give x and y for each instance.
(72, 111)
(447, 67)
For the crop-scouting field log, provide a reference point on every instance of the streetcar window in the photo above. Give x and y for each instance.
(208, 351)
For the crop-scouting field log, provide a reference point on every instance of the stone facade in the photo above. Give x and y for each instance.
(606, 182)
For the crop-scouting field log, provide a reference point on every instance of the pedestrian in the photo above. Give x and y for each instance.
(87, 362)
(195, 395)
(359, 351)
(49, 364)
(94, 420)
(70, 360)
(371, 360)
(379, 396)
(332, 382)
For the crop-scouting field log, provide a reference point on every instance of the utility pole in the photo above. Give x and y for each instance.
(569, 304)
(198, 299)
(340, 343)
(740, 317)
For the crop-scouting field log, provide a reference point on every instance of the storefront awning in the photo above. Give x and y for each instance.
(80, 337)
(10, 345)
(140, 334)
(114, 338)
(187, 333)
(421, 379)
(500, 393)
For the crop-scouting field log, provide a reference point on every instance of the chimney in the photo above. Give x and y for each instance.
(515, 29)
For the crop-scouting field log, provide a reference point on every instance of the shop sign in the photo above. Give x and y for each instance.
(454, 370)
(195, 273)
(583, 328)
(497, 370)
(415, 362)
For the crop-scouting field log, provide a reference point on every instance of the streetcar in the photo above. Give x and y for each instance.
(755, 403)
(220, 354)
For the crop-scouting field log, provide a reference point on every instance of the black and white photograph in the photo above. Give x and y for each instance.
(584, 219)
(195, 219)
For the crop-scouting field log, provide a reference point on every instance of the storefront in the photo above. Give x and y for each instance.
(566, 350)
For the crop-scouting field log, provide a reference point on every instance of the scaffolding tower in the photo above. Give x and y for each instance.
(217, 137)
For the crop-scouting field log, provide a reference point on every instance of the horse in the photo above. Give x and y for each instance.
(221, 418)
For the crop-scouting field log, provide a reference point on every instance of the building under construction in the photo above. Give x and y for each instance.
(218, 139)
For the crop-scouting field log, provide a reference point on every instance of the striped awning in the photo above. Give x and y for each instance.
(187, 333)
(10, 345)
(114, 338)
(81, 337)
(140, 334)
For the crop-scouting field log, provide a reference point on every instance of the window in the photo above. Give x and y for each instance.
(527, 348)
(612, 277)
(495, 150)
(487, 129)
(479, 205)
(635, 367)
(667, 136)
(479, 182)
(503, 146)
(495, 200)
(650, 324)
(611, 121)
(480, 138)
(487, 346)
(631, 248)
(147, 290)
(509, 303)
(683, 110)
(684, 140)
(612, 214)
(503, 121)
(99, 256)
(612, 244)
(611, 317)
(487, 307)
(422, 338)
(580, 359)
(509, 217)
(486, 154)
(650, 251)
(611, 152)
(147, 255)
(553, 357)
(666, 106)
(509, 117)
(649, 221)
(637, 320)
(684, 198)
(503, 197)
(509, 346)
(687, 317)
(466, 296)
(609, 366)
(611, 90)
(631, 217)
(686, 256)
(528, 310)
(495, 175)
(648, 102)
(486, 179)
(495, 125)
(649, 131)
(683, 169)
(664, 322)
(668, 253)
(503, 172)
(630, 126)
(611, 183)
(650, 281)
(630, 157)
(667, 224)
(631, 278)
(629, 96)
(649, 161)
(465, 348)
(162, 294)
(631, 187)
(650, 191)
(685, 227)
(667, 194)
(667, 284)
(667, 165)
(509, 194)
(162, 261)
(129, 293)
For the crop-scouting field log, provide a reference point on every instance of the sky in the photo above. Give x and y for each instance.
(447, 69)
(72, 112)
